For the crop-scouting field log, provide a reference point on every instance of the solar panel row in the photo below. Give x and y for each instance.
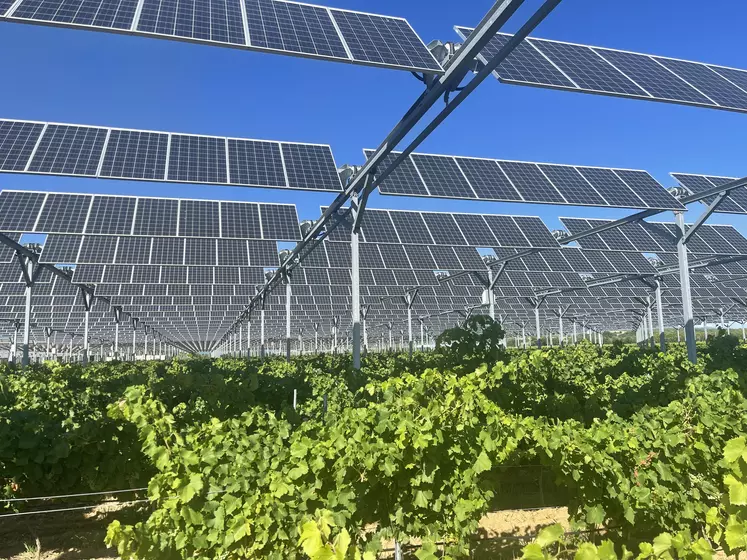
(64, 149)
(118, 274)
(736, 203)
(108, 249)
(517, 181)
(568, 66)
(657, 237)
(31, 211)
(453, 229)
(276, 26)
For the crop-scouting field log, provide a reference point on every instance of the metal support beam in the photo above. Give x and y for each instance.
(650, 321)
(287, 318)
(27, 265)
(687, 304)
(87, 300)
(660, 316)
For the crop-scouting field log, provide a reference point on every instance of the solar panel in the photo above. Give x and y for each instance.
(112, 14)
(475, 230)
(263, 253)
(167, 250)
(383, 277)
(310, 167)
(317, 276)
(338, 254)
(200, 252)
(469, 258)
(613, 72)
(611, 187)
(444, 229)
(506, 232)
(63, 213)
(316, 257)
(133, 154)
(404, 179)
(572, 185)
(280, 222)
(19, 210)
(117, 274)
(699, 183)
(174, 274)
(146, 275)
(17, 141)
(394, 256)
(199, 218)
(88, 274)
(61, 249)
(156, 216)
(255, 163)
(442, 176)
(208, 20)
(377, 227)
(369, 255)
(200, 275)
(530, 182)
(133, 250)
(410, 227)
(97, 249)
(535, 231)
(197, 159)
(111, 215)
(420, 257)
(383, 40)
(232, 252)
(69, 150)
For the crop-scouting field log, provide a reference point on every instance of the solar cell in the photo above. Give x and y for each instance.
(200, 252)
(291, 27)
(61, 249)
(232, 252)
(524, 64)
(404, 179)
(377, 227)
(442, 176)
(199, 218)
(369, 256)
(475, 230)
(98, 249)
(69, 150)
(572, 185)
(718, 89)
(469, 258)
(506, 232)
(156, 216)
(208, 20)
(17, 141)
(19, 210)
(611, 187)
(394, 256)
(530, 182)
(338, 254)
(117, 274)
(280, 222)
(63, 213)
(421, 257)
(133, 250)
(174, 274)
(444, 229)
(310, 167)
(410, 227)
(384, 40)
(111, 215)
(146, 275)
(197, 159)
(200, 275)
(535, 231)
(112, 14)
(133, 154)
(263, 253)
(586, 68)
(488, 180)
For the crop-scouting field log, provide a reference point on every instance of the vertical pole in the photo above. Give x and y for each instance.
(390, 337)
(355, 287)
(249, 338)
(422, 338)
(409, 324)
(49, 347)
(678, 335)
(537, 325)
(491, 295)
(287, 319)
(687, 304)
(134, 340)
(524, 336)
(660, 317)
(70, 350)
(705, 329)
(86, 318)
(561, 342)
(28, 264)
(574, 332)
(649, 314)
(262, 332)
(241, 340)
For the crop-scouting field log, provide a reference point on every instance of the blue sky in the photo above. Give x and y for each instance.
(115, 80)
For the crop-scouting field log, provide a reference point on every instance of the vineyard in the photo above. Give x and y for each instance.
(408, 451)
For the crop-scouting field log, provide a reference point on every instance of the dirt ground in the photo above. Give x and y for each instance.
(80, 536)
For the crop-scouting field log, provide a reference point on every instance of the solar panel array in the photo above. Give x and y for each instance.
(111, 153)
(447, 228)
(582, 68)
(735, 203)
(443, 176)
(658, 237)
(276, 26)
(61, 213)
